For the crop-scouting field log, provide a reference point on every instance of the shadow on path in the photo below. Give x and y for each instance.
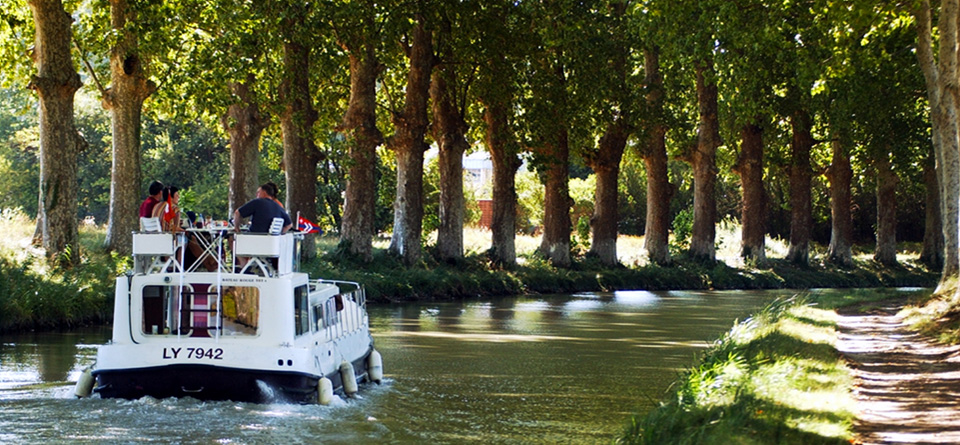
(907, 386)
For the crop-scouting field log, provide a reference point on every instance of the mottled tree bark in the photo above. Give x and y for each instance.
(801, 216)
(555, 243)
(360, 127)
(553, 152)
(409, 145)
(753, 212)
(130, 87)
(605, 162)
(300, 154)
(932, 251)
(704, 161)
(244, 124)
(503, 155)
(940, 75)
(654, 152)
(887, 179)
(606, 166)
(840, 176)
(56, 82)
(449, 130)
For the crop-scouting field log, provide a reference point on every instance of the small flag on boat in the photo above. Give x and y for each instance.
(305, 226)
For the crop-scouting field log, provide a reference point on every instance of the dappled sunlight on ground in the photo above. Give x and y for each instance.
(908, 386)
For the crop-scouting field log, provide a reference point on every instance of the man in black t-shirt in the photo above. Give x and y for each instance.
(262, 210)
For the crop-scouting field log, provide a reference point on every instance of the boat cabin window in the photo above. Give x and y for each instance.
(325, 315)
(301, 309)
(195, 310)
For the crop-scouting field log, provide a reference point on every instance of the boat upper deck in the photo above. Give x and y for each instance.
(216, 250)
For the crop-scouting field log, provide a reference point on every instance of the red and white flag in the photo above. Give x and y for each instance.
(305, 226)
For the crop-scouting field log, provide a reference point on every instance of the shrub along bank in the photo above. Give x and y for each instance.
(386, 280)
(34, 295)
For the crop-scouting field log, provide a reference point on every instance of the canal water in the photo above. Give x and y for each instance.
(543, 369)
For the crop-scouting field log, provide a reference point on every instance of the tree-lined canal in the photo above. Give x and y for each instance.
(558, 369)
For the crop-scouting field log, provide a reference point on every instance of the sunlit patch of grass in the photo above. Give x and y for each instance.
(36, 293)
(773, 378)
(939, 315)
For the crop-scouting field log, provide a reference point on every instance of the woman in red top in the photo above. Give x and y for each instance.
(168, 209)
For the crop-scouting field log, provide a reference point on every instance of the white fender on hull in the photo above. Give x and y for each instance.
(85, 384)
(325, 391)
(375, 367)
(348, 377)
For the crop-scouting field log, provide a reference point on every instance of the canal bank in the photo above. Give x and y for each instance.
(34, 295)
(839, 367)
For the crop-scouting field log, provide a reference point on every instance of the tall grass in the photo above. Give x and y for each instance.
(37, 294)
(773, 378)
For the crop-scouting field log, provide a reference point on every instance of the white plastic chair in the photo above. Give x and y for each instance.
(260, 249)
(153, 250)
(151, 225)
(276, 226)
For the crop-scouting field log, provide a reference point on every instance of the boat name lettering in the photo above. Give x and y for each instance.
(243, 280)
(195, 353)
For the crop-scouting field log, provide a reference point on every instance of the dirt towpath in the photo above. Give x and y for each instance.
(907, 385)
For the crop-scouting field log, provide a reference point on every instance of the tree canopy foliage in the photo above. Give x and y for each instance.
(555, 83)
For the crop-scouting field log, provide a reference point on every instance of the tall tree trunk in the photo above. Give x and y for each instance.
(932, 252)
(887, 179)
(801, 216)
(449, 129)
(606, 165)
(300, 155)
(244, 124)
(56, 82)
(654, 152)
(408, 144)
(754, 206)
(503, 154)
(555, 244)
(704, 160)
(360, 127)
(942, 90)
(129, 88)
(840, 175)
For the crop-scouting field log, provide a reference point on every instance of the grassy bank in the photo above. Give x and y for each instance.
(937, 316)
(387, 280)
(35, 295)
(774, 378)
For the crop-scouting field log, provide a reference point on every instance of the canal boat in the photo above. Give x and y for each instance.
(238, 321)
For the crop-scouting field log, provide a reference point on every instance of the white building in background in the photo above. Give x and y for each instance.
(478, 173)
(477, 178)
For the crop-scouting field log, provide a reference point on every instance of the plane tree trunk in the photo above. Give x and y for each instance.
(300, 154)
(606, 166)
(887, 179)
(932, 251)
(449, 130)
(704, 162)
(654, 153)
(244, 124)
(753, 212)
(360, 128)
(840, 176)
(503, 155)
(56, 82)
(940, 75)
(408, 144)
(801, 216)
(130, 87)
